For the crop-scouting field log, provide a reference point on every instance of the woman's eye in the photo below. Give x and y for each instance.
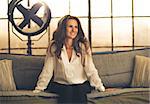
(70, 26)
(73, 26)
(76, 26)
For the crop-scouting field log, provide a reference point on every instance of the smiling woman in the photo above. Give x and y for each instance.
(69, 60)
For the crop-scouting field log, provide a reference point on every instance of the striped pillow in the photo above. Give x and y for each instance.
(141, 76)
(6, 76)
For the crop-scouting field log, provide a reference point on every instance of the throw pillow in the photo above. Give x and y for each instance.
(6, 76)
(141, 75)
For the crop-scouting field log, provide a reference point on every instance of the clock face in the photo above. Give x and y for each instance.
(29, 20)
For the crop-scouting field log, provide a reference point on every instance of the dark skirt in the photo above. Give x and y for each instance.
(71, 94)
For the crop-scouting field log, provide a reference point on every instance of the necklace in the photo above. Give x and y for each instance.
(69, 47)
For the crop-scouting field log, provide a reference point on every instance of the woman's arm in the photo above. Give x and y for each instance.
(92, 72)
(46, 74)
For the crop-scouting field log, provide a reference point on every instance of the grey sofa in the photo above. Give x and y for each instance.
(115, 69)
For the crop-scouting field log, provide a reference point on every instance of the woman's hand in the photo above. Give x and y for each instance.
(37, 91)
(99, 89)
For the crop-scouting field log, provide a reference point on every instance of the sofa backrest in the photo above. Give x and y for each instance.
(26, 69)
(116, 69)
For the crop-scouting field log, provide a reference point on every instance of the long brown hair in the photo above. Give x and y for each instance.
(59, 36)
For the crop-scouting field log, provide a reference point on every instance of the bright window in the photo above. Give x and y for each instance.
(114, 25)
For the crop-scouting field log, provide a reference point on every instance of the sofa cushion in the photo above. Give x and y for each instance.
(122, 96)
(6, 76)
(27, 93)
(116, 91)
(148, 52)
(141, 76)
(27, 97)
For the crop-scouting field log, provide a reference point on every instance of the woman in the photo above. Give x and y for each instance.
(70, 63)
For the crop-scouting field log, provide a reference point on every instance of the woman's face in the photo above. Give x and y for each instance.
(71, 28)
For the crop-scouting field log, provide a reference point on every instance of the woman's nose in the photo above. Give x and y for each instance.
(73, 29)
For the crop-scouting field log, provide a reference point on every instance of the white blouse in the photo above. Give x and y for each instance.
(69, 72)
